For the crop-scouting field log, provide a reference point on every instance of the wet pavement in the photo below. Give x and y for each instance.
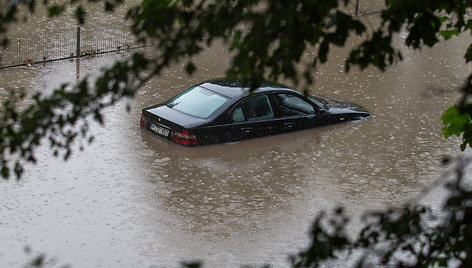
(132, 199)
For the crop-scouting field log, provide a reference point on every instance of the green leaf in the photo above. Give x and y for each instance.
(190, 68)
(468, 54)
(98, 117)
(443, 19)
(5, 172)
(236, 43)
(109, 6)
(448, 34)
(80, 15)
(455, 122)
(55, 10)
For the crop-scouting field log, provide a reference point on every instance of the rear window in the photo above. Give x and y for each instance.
(197, 101)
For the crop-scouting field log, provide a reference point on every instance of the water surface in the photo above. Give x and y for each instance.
(132, 199)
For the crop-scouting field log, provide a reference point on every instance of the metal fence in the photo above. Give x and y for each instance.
(45, 46)
(367, 7)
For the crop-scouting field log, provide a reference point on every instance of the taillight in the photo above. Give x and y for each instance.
(185, 137)
(143, 121)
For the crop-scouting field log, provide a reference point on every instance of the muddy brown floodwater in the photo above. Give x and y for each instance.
(132, 199)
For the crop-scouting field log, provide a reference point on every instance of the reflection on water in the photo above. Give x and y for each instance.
(132, 199)
(259, 173)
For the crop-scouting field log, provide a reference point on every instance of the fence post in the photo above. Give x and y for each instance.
(357, 8)
(78, 42)
(18, 58)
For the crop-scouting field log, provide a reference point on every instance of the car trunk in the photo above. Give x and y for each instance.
(171, 124)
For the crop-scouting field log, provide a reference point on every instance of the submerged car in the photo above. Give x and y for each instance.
(224, 110)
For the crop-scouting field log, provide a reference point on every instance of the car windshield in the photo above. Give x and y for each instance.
(197, 101)
(316, 101)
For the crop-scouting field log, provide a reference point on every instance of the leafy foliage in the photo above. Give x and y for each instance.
(426, 22)
(457, 119)
(267, 40)
(410, 236)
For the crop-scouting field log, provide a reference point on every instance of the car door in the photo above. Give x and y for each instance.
(253, 117)
(294, 112)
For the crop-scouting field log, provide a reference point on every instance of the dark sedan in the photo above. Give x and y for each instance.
(223, 110)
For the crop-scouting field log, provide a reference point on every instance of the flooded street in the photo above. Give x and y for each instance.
(132, 199)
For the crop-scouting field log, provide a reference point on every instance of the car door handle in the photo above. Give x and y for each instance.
(289, 125)
(247, 130)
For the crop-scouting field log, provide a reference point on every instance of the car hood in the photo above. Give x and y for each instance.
(336, 105)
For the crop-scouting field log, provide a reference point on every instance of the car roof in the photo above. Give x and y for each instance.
(237, 88)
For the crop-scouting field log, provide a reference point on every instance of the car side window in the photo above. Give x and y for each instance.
(252, 109)
(258, 108)
(293, 105)
(238, 115)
